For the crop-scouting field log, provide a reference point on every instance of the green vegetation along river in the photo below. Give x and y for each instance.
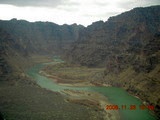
(116, 96)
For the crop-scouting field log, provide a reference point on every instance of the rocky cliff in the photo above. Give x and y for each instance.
(41, 37)
(127, 45)
(21, 40)
(122, 34)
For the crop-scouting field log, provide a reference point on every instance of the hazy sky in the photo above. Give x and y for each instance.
(68, 11)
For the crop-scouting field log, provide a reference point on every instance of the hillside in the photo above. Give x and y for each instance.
(20, 97)
(21, 42)
(41, 37)
(128, 46)
(127, 31)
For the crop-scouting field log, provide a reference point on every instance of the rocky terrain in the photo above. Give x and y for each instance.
(40, 37)
(20, 97)
(127, 46)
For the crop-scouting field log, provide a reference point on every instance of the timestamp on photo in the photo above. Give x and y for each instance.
(129, 107)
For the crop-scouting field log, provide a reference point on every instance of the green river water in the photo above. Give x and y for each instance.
(116, 96)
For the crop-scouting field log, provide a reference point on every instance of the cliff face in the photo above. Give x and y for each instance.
(13, 56)
(41, 37)
(20, 40)
(121, 34)
(127, 45)
(4, 67)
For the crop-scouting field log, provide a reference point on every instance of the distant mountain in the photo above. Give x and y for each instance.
(120, 34)
(41, 37)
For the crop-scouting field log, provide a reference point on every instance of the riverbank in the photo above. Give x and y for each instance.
(79, 83)
(73, 75)
(94, 100)
(60, 81)
(22, 98)
(70, 76)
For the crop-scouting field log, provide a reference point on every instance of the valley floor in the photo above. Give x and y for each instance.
(73, 75)
(21, 98)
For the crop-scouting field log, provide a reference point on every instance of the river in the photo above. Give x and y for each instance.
(116, 96)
